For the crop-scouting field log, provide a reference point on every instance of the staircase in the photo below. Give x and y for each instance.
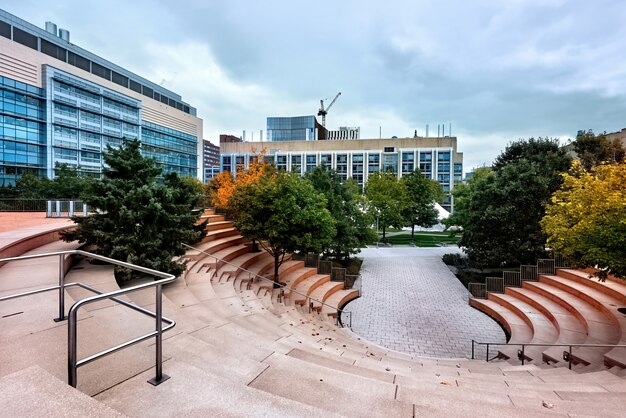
(239, 349)
(559, 307)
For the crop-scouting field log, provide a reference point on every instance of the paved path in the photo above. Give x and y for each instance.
(413, 303)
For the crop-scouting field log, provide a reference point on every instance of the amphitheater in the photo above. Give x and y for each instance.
(239, 347)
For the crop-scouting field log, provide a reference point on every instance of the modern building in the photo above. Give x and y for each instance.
(437, 158)
(344, 133)
(62, 104)
(619, 135)
(295, 128)
(210, 160)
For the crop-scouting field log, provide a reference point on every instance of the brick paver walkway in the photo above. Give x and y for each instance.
(411, 302)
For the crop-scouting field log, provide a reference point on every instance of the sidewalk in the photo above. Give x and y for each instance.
(413, 303)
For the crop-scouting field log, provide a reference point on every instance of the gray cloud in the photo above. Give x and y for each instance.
(497, 71)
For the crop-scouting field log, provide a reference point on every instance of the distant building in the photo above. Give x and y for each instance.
(437, 158)
(621, 135)
(229, 138)
(62, 104)
(345, 133)
(295, 128)
(210, 160)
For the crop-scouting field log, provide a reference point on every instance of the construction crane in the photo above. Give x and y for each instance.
(322, 112)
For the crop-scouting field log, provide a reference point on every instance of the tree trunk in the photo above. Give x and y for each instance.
(412, 230)
(276, 282)
(384, 228)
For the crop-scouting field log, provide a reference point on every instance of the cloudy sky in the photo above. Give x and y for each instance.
(497, 70)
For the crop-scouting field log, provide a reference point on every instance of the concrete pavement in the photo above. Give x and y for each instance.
(411, 302)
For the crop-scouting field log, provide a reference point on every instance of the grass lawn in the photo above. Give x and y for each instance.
(424, 239)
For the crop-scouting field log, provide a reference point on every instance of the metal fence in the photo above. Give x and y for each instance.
(528, 273)
(478, 290)
(495, 284)
(546, 266)
(512, 278)
(62, 208)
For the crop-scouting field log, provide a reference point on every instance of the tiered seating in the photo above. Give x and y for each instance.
(568, 307)
(239, 352)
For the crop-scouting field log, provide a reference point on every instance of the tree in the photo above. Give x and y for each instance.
(67, 184)
(501, 209)
(422, 195)
(593, 150)
(285, 213)
(353, 226)
(586, 219)
(387, 200)
(222, 187)
(136, 218)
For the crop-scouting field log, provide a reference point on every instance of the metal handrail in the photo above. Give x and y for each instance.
(73, 362)
(522, 356)
(281, 286)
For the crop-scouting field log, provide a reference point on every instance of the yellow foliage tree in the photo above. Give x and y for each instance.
(586, 221)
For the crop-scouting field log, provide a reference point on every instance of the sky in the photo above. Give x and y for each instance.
(496, 70)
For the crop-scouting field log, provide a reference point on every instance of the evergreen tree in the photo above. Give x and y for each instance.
(136, 218)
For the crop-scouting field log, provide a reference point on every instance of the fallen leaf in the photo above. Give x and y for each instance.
(445, 382)
(548, 405)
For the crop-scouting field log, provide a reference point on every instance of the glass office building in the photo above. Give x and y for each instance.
(62, 104)
(296, 128)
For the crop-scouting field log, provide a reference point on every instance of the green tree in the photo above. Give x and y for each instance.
(501, 209)
(462, 197)
(285, 213)
(353, 226)
(593, 150)
(387, 200)
(135, 217)
(422, 195)
(586, 221)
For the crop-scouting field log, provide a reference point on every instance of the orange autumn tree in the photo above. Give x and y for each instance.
(222, 187)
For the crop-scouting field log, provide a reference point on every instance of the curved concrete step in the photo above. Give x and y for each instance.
(570, 329)
(544, 331)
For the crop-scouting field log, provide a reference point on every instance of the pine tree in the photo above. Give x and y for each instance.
(137, 217)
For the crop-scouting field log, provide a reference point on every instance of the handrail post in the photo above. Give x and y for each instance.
(71, 348)
(487, 356)
(472, 349)
(523, 356)
(570, 358)
(160, 376)
(61, 316)
(350, 320)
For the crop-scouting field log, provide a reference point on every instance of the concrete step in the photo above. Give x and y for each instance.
(613, 289)
(195, 392)
(323, 292)
(307, 286)
(332, 390)
(33, 392)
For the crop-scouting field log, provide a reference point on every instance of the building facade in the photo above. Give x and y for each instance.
(210, 160)
(344, 133)
(436, 158)
(62, 104)
(295, 128)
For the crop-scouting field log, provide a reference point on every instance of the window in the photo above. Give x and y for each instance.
(5, 30)
(78, 61)
(24, 38)
(296, 163)
(311, 163)
(373, 163)
(389, 149)
(281, 162)
(100, 71)
(147, 91)
(53, 50)
(135, 86)
(444, 156)
(326, 160)
(119, 79)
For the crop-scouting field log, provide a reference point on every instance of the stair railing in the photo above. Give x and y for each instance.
(72, 342)
(309, 300)
(567, 355)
